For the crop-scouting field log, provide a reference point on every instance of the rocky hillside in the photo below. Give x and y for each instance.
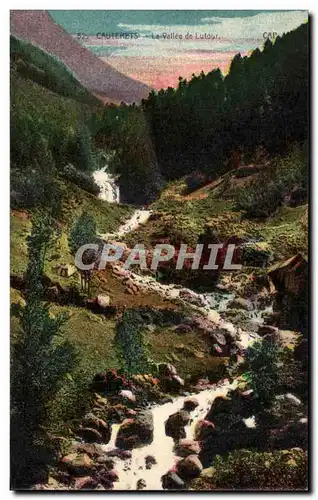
(100, 78)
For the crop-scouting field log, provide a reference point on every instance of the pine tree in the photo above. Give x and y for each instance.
(40, 359)
(83, 231)
(130, 343)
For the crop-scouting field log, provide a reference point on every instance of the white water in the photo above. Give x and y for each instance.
(138, 217)
(109, 190)
(161, 448)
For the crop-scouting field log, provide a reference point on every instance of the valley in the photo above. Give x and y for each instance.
(192, 378)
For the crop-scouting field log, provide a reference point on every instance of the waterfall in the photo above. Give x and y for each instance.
(109, 190)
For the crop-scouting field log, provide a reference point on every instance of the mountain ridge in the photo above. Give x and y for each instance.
(39, 28)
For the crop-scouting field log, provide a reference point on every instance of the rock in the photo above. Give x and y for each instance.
(268, 330)
(190, 403)
(92, 450)
(107, 477)
(240, 303)
(192, 297)
(189, 467)
(85, 483)
(203, 430)
(118, 271)
(79, 464)
(218, 338)
(136, 432)
(216, 350)
(94, 429)
(121, 454)
(208, 472)
(173, 294)
(199, 354)
(53, 293)
(171, 481)
(103, 301)
(229, 438)
(150, 461)
(183, 328)
(141, 484)
(291, 435)
(186, 447)
(106, 461)
(213, 316)
(151, 328)
(119, 412)
(256, 254)
(67, 270)
(167, 370)
(90, 435)
(109, 381)
(128, 395)
(174, 425)
(222, 405)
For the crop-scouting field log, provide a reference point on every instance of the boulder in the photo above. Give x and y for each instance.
(183, 328)
(216, 350)
(291, 435)
(107, 462)
(67, 270)
(137, 432)
(171, 481)
(90, 435)
(127, 395)
(186, 447)
(121, 454)
(240, 303)
(218, 338)
(167, 370)
(119, 412)
(103, 301)
(150, 461)
(109, 381)
(174, 425)
(189, 467)
(92, 423)
(78, 464)
(141, 484)
(190, 403)
(92, 450)
(85, 483)
(203, 429)
(268, 330)
(221, 406)
(192, 297)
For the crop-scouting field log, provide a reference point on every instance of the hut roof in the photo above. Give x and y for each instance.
(295, 260)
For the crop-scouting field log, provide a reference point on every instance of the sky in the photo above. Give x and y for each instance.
(156, 47)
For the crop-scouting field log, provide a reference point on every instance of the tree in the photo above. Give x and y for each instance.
(83, 231)
(130, 343)
(40, 360)
(263, 363)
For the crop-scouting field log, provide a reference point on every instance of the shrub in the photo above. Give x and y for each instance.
(262, 360)
(263, 196)
(33, 188)
(82, 179)
(248, 470)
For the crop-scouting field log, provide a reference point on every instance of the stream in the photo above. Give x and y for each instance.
(162, 447)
